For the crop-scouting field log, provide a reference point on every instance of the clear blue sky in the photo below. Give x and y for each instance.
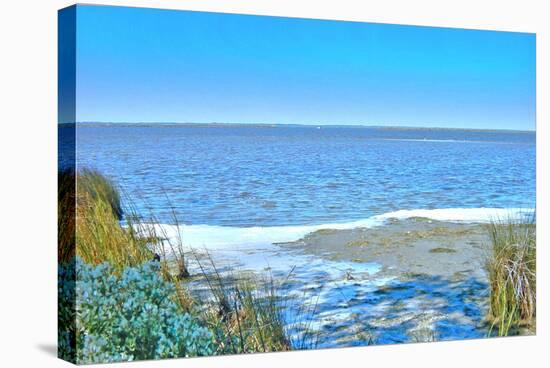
(148, 65)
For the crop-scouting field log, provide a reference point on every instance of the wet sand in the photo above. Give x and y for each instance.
(437, 290)
(404, 248)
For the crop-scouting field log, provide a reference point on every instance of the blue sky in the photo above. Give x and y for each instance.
(149, 65)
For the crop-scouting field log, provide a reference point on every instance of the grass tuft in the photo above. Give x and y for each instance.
(66, 199)
(247, 312)
(99, 237)
(511, 268)
(90, 183)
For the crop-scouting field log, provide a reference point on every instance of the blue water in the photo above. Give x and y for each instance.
(266, 176)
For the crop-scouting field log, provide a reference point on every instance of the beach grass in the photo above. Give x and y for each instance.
(247, 313)
(66, 215)
(89, 213)
(99, 237)
(97, 186)
(511, 268)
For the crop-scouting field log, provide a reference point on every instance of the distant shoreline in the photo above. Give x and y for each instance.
(267, 126)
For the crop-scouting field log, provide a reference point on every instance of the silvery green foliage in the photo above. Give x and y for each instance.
(131, 317)
(66, 312)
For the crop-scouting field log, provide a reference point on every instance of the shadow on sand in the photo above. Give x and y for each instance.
(420, 308)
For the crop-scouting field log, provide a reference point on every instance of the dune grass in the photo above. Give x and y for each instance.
(244, 314)
(89, 217)
(93, 184)
(511, 268)
(66, 215)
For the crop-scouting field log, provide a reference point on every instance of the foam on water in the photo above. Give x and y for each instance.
(242, 238)
(469, 215)
(446, 141)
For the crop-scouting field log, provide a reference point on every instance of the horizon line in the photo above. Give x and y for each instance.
(273, 125)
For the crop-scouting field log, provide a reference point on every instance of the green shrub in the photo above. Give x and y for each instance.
(123, 318)
(66, 311)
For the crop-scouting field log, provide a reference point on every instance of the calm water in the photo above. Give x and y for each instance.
(238, 176)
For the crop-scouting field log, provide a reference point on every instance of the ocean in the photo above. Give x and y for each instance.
(296, 175)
